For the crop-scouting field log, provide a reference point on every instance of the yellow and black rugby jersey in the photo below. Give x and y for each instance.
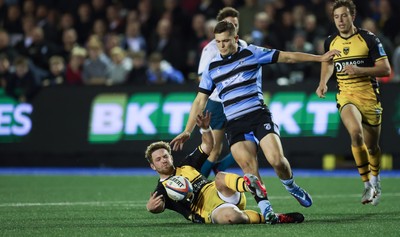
(189, 168)
(362, 49)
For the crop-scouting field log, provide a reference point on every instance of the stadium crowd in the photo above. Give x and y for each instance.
(148, 42)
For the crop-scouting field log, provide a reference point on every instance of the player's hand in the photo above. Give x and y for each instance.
(156, 203)
(351, 70)
(321, 91)
(203, 121)
(328, 56)
(178, 141)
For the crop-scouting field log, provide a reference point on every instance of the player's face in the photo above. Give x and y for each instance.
(343, 20)
(162, 162)
(227, 44)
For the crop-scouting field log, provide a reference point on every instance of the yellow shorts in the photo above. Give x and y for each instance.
(366, 102)
(209, 200)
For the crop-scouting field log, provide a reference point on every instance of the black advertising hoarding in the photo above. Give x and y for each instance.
(111, 126)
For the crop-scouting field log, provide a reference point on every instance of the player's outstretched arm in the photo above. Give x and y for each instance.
(207, 138)
(198, 106)
(156, 203)
(297, 57)
(326, 73)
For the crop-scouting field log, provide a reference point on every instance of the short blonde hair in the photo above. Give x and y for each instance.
(78, 51)
(56, 59)
(117, 51)
(155, 146)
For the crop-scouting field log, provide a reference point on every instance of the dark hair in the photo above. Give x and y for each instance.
(224, 26)
(345, 3)
(227, 12)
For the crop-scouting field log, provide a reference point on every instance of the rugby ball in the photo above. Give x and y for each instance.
(179, 188)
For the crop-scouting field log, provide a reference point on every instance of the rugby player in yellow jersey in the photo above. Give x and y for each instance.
(362, 59)
(220, 202)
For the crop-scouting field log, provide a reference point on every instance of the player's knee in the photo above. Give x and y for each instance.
(373, 150)
(220, 180)
(277, 161)
(356, 137)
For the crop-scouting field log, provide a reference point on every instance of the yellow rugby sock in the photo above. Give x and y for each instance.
(361, 157)
(235, 182)
(375, 163)
(254, 217)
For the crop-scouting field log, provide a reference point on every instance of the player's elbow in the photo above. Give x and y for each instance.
(387, 71)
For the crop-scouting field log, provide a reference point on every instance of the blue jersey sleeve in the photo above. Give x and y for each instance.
(264, 55)
(206, 83)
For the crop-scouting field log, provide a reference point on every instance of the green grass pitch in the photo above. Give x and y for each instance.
(32, 205)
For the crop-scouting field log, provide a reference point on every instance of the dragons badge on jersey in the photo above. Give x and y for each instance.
(346, 50)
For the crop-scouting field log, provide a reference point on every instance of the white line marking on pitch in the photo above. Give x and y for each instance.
(143, 202)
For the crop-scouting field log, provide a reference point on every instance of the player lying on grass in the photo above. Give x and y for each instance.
(220, 202)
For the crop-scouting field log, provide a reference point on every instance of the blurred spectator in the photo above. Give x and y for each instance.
(246, 19)
(115, 21)
(3, 11)
(137, 75)
(286, 29)
(180, 22)
(29, 8)
(209, 29)
(57, 72)
(95, 68)
(195, 39)
(261, 35)
(209, 8)
(370, 25)
(35, 47)
(161, 72)
(67, 22)
(99, 29)
(73, 74)
(47, 19)
(84, 22)
(231, 3)
(300, 71)
(13, 23)
(4, 70)
(133, 39)
(190, 6)
(5, 47)
(99, 9)
(118, 70)
(69, 41)
(21, 84)
(389, 20)
(299, 13)
(169, 45)
(148, 18)
(312, 29)
(41, 15)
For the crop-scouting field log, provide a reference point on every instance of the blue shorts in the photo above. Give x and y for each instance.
(218, 118)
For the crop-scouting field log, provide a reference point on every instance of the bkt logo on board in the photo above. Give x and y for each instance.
(149, 116)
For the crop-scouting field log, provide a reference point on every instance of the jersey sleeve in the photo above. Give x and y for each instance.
(206, 85)
(264, 55)
(376, 50)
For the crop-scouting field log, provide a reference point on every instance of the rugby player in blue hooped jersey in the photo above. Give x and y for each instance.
(214, 103)
(236, 75)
